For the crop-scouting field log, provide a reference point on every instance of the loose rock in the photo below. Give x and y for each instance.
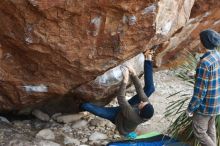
(3, 119)
(97, 136)
(80, 124)
(68, 118)
(70, 140)
(47, 143)
(46, 134)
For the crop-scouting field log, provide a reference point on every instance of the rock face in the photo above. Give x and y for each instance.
(64, 49)
(205, 14)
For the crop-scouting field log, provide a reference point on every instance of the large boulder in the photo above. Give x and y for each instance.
(205, 14)
(69, 50)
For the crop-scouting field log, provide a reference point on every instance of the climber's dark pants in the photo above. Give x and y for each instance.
(110, 113)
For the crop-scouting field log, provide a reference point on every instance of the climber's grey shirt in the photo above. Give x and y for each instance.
(128, 118)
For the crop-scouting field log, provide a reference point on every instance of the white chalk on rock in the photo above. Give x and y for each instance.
(132, 20)
(36, 88)
(114, 76)
(149, 9)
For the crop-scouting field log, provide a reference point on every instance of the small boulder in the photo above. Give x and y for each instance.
(19, 142)
(80, 124)
(46, 134)
(97, 136)
(5, 120)
(68, 118)
(47, 143)
(70, 140)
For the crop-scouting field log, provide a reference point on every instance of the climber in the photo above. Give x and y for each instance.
(129, 114)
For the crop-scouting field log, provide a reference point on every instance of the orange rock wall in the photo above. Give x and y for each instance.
(58, 48)
(205, 14)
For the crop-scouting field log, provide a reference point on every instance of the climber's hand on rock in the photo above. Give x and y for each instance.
(131, 70)
(125, 74)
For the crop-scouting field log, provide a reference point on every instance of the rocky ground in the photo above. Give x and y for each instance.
(90, 130)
